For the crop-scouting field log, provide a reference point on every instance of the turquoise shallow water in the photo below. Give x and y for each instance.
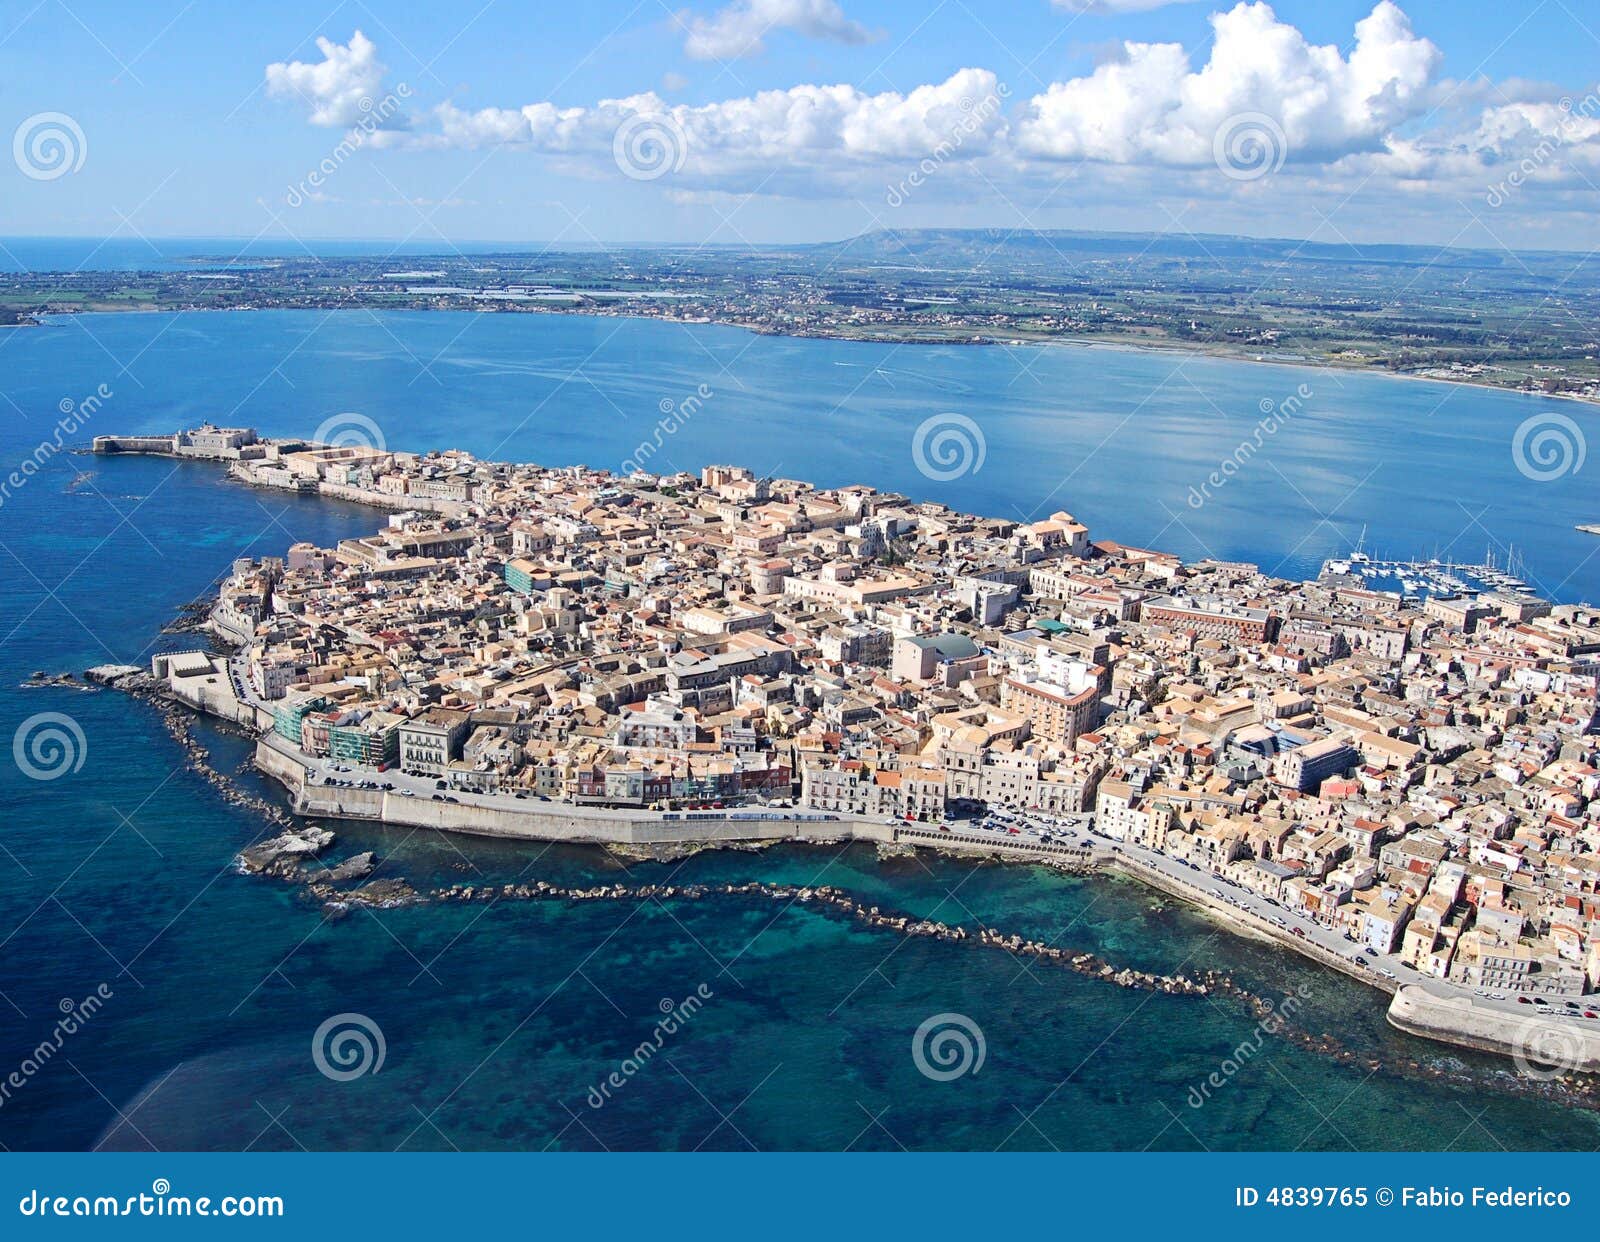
(497, 1022)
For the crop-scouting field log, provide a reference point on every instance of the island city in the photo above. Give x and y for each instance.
(1400, 786)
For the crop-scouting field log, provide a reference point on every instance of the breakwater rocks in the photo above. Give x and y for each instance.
(179, 721)
(41, 680)
(834, 899)
(1273, 1016)
(281, 857)
(295, 858)
(193, 618)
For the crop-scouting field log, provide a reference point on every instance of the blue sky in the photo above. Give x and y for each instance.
(731, 121)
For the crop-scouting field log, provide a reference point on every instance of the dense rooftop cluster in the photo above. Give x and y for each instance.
(1419, 773)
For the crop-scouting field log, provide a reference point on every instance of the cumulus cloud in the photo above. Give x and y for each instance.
(740, 29)
(1142, 120)
(1534, 145)
(1153, 106)
(803, 124)
(334, 88)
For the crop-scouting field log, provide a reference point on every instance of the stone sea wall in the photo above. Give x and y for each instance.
(1558, 1043)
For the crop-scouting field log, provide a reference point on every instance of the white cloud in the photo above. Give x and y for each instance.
(807, 125)
(1533, 145)
(1146, 123)
(739, 30)
(333, 90)
(1152, 106)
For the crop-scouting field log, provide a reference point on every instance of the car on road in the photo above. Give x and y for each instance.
(1361, 961)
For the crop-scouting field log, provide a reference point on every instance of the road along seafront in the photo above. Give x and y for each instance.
(1442, 1015)
(217, 687)
(1430, 1009)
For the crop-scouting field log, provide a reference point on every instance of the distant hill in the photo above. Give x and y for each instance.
(999, 248)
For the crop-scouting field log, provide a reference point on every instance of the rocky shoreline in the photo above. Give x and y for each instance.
(284, 861)
(179, 720)
(293, 857)
(41, 680)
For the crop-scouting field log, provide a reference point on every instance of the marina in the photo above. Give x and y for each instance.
(1434, 577)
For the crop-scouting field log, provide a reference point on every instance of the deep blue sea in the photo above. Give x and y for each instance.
(497, 1021)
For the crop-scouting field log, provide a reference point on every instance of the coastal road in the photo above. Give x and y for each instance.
(1381, 970)
(1214, 888)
